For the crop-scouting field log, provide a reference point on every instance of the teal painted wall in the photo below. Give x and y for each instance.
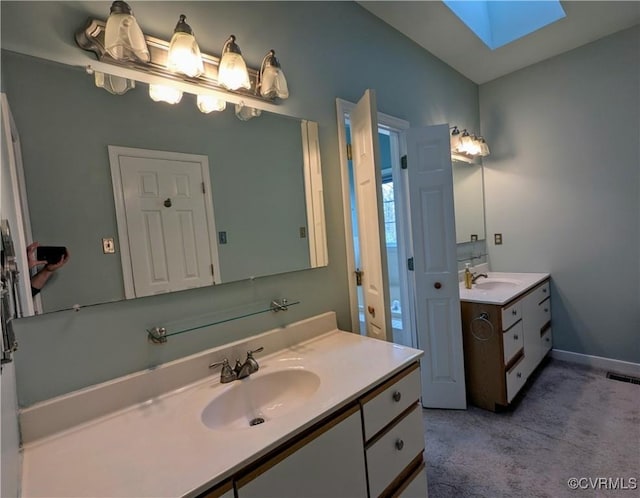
(563, 187)
(328, 50)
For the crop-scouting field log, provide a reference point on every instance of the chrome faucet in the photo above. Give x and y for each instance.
(476, 276)
(249, 366)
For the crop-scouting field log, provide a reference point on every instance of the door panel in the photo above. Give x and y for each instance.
(368, 181)
(435, 269)
(169, 229)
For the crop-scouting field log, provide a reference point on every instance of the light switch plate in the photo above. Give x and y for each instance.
(108, 246)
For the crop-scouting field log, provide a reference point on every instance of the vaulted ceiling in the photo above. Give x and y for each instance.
(433, 26)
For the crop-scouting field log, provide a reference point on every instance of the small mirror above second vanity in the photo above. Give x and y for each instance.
(506, 329)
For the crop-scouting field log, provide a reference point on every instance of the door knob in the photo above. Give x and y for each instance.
(167, 203)
(372, 311)
(437, 285)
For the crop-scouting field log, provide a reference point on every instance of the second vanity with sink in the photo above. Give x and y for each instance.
(506, 329)
(328, 413)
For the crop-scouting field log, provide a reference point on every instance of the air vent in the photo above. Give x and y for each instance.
(623, 378)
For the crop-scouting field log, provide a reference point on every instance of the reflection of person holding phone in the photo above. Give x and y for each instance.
(51, 259)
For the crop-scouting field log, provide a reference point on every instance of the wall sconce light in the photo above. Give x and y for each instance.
(467, 147)
(209, 103)
(123, 38)
(184, 54)
(245, 113)
(232, 73)
(165, 93)
(272, 82)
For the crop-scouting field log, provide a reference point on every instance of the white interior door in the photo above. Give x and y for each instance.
(437, 297)
(368, 181)
(168, 230)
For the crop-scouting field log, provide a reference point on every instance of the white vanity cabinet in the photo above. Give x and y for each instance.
(394, 437)
(327, 462)
(503, 344)
(371, 448)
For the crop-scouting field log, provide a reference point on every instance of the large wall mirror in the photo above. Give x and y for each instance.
(256, 178)
(468, 197)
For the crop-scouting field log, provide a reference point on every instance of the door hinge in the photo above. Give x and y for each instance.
(213, 273)
(403, 162)
(410, 264)
(358, 273)
(204, 190)
(349, 152)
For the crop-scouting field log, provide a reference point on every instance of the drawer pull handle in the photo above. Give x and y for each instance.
(514, 312)
(437, 285)
(399, 444)
(544, 291)
(519, 375)
(397, 396)
(546, 310)
(515, 337)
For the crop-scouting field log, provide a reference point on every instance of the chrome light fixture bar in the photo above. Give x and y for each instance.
(92, 36)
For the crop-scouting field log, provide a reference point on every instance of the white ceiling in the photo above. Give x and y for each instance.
(433, 26)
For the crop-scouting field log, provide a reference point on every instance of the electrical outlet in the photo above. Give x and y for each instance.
(222, 237)
(303, 232)
(108, 246)
(474, 237)
(497, 239)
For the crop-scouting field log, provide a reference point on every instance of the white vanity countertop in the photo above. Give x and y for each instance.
(522, 282)
(161, 448)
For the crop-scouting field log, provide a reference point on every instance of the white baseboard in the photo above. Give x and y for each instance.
(617, 366)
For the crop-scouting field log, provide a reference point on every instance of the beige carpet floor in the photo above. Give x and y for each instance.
(569, 422)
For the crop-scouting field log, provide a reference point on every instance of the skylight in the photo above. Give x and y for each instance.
(498, 22)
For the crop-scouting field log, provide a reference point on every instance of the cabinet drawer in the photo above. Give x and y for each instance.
(546, 341)
(390, 455)
(542, 314)
(417, 485)
(515, 379)
(394, 397)
(511, 314)
(541, 292)
(512, 341)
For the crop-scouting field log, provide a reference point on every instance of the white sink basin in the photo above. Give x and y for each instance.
(496, 284)
(259, 398)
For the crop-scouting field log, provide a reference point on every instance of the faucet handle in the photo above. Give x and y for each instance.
(227, 374)
(259, 350)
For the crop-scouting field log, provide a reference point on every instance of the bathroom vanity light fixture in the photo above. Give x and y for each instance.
(467, 147)
(245, 113)
(165, 93)
(226, 79)
(272, 82)
(209, 103)
(232, 73)
(123, 38)
(184, 54)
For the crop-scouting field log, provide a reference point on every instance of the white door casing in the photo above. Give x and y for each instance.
(435, 267)
(165, 220)
(368, 185)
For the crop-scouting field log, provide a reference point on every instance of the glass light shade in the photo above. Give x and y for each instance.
(209, 103)
(273, 83)
(232, 72)
(184, 55)
(484, 148)
(115, 85)
(466, 143)
(162, 93)
(455, 141)
(245, 113)
(123, 38)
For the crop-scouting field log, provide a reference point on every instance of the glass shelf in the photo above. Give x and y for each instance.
(159, 335)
